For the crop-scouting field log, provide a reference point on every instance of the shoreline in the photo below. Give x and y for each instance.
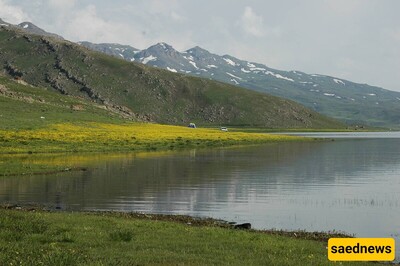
(181, 219)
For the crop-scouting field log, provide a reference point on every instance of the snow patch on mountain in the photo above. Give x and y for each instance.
(235, 81)
(172, 69)
(148, 59)
(278, 76)
(244, 70)
(211, 66)
(295, 72)
(193, 64)
(229, 61)
(189, 58)
(329, 94)
(233, 76)
(338, 81)
(250, 64)
(257, 69)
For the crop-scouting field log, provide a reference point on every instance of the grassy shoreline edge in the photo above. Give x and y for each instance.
(41, 234)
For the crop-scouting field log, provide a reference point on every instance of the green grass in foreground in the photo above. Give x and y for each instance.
(42, 238)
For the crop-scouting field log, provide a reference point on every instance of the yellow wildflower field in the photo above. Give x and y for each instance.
(125, 137)
(108, 141)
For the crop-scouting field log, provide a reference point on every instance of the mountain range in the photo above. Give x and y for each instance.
(137, 91)
(345, 100)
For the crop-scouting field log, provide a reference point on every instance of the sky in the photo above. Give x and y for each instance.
(357, 40)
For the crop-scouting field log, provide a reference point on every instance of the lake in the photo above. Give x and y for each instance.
(351, 184)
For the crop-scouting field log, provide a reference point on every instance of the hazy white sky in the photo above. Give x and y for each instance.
(358, 40)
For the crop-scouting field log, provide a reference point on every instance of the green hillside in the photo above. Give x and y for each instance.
(27, 107)
(144, 93)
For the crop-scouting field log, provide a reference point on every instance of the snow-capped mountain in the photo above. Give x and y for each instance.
(335, 97)
(122, 51)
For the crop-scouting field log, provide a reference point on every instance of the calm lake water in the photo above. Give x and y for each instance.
(351, 184)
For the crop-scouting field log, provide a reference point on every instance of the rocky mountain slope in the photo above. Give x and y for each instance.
(31, 28)
(342, 99)
(141, 92)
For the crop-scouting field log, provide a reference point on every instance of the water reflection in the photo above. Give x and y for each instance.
(347, 185)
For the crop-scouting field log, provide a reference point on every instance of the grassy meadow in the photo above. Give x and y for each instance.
(48, 238)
